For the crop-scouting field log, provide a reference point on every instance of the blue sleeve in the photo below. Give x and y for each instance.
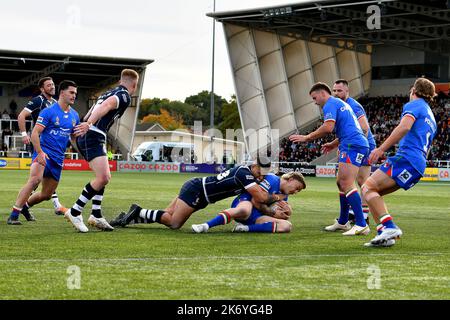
(44, 117)
(358, 110)
(265, 184)
(245, 177)
(274, 183)
(410, 109)
(33, 104)
(329, 111)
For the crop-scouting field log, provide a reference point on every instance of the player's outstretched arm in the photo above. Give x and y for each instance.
(397, 134)
(259, 195)
(325, 129)
(327, 147)
(100, 110)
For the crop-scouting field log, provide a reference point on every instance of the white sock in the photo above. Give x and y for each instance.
(55, 201)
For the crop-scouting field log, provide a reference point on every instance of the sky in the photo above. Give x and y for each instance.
(177, 34)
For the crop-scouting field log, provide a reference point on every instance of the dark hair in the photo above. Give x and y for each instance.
(65, 84)
(320, 86)
(343, 81)
(42, 81)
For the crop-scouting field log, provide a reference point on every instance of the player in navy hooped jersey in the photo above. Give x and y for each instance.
(197, 193)
(353, 148)
(270, 219)
(92, 145)
(32, 109)
(415, 134)
(54, 128)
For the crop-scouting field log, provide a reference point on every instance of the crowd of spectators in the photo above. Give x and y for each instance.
(384, 115)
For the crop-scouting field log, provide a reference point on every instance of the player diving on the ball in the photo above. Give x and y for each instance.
(197, 193)
(270, 219)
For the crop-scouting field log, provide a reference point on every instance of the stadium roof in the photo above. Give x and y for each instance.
(22, 70)
(416, 24)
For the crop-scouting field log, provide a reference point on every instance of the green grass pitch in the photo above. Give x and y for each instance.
(153, 262)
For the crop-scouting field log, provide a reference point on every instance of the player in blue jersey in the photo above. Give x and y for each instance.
(341, 91)
(353, 148)
(271, 219)
(92, 145)
(54, 128)
(32, 109)
(197, 193)
(415, 134)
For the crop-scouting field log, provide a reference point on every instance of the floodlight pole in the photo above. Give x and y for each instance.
(211, 116)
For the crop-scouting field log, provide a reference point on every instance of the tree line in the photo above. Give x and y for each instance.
(177, 114)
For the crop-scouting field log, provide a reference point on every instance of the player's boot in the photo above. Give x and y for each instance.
(239, 227)
(357, 231)
(99, 223)
(77, 221)
(387, 234)
(116, 222)
(60, 211)
(337, 226)
(131, 215)
(386, 243)
(27, 214)
(200, 228)
(13, 222)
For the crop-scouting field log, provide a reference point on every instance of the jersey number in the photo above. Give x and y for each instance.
(427, 145)
(223, 175)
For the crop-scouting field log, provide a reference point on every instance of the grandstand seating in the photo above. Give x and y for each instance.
(384, 115)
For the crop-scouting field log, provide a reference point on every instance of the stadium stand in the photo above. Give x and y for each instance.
(384, 115)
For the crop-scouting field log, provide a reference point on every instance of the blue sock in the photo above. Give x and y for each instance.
(345, 206)
(15, 213)
(380, 228)
(222, 218)
(269, 227)
(354, 199)
(386, 220)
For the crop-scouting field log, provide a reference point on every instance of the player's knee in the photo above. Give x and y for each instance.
(368, 191)
(175, 225)
(104, 179)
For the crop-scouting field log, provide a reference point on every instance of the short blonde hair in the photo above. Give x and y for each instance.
(295, 175)
(425, 89)
(129, 74)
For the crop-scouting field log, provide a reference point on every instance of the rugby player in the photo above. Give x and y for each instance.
(273, 219)
(91, 143)
(353, 148)
(415, 134)
(55, 126)
(197, 193)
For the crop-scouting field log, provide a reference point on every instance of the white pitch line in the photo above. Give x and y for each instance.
(224, 257)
